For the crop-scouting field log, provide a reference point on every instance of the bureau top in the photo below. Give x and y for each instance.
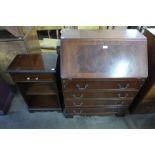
(45, 62)
(130, 34)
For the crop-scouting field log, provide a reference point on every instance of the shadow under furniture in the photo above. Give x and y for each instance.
(6, 96)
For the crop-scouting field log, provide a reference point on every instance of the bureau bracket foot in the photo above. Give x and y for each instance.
(68, 116)
(120, 114)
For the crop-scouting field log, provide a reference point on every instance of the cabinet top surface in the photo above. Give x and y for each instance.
(102, 34)
(151, 30)
(45, 62)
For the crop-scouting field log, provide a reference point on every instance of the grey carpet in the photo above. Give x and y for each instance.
(19, 117)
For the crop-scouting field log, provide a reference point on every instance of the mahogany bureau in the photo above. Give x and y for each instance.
(101, 70)
(145, 100)
(36, 78)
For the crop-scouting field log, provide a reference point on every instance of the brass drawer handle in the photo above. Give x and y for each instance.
(77, 113)
(81, 88)
(123, 86)
(77, 105)
(77, 97)
(122, 97)
(28, 78)
(121, 103)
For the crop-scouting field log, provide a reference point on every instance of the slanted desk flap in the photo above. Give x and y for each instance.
(97, 58)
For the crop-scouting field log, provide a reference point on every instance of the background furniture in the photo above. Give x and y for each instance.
(10, 45)
(101, 70)
(145, 100)
(16, 40)
(6, 96)
(35, 76)
(49, 37)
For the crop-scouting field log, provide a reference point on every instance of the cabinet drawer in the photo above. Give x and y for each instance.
(99, 94)
(33, 77)
(37, 88)
(82, 85)
(96, 103)
(94, 111)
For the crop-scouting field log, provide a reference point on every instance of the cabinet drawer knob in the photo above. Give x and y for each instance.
(77, 97)
(37, 78)
(53, 69)
(77, 104)
(105, 46)
(28, 78)
(81, 88)
(123, 86)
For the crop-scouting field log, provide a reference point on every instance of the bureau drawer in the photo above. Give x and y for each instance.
(94, 111)
(33, 77)
(96, 102)
(99, 94)
(82, 85)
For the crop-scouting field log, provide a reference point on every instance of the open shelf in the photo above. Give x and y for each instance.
(41, 89)
(43, 102)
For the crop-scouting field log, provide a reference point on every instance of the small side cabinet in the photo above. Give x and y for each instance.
(36, 78)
